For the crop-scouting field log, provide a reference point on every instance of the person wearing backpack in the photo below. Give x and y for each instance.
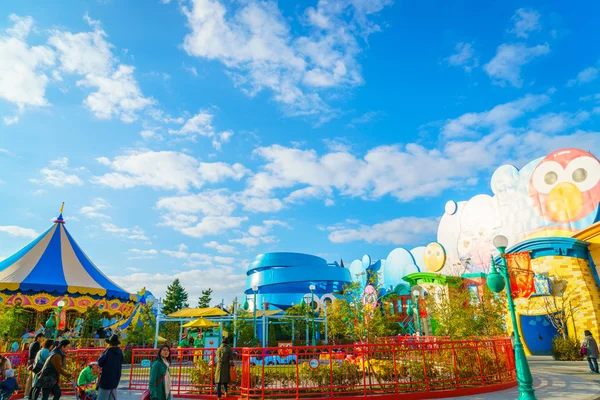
(159, 386)
(38, 364)
(111, 362)
(35, 347)
(54, 367)
(591, 351)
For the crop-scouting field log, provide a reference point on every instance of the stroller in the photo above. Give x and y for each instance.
(82, 393)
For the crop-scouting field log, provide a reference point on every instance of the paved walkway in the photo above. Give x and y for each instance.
(553, 380)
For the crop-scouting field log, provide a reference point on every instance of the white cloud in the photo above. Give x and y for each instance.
(195, 259)
(499, 116)
(137, 254)
(329, 203)
(558, 122)
(255, 42)
(56, 175)
(310, 192)
(62, 163)
(258, 203)
(8, 121)
(212, 225)
(127, 233)
(411, 171)
(508, 61)
(165, 170)
(192, 70)
(525, 21)
(57, 178)
(94, 211)
(202, 124)
(116, 92)
(587, 75)
(266, 227)
(221, 248)
(209, 202)
(150, 134)
(22, 67)
(18, 231)
(117, 95)
(399, 231)
(464, 57)
(225, 281)
(367, 117)
(83, 53)
(258, 234)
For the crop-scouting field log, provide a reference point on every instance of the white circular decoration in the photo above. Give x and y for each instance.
(314, 363)
(451, 207)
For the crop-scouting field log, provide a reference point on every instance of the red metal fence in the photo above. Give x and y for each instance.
(76, 361)
(394, 368)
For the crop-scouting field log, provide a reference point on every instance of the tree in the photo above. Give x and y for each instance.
(205, 299)
(349, 317)
(92, 321)
(561, 306)
(176, 298)
(490, 314)
(141, 335)
(460, 315)
(12, 321)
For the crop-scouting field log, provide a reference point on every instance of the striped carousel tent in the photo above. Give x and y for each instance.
(53, 268)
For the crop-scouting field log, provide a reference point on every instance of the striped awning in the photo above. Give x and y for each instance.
(54, 263)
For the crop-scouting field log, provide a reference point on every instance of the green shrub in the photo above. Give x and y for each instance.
(566, 349)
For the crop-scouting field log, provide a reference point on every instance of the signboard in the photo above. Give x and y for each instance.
(314, 363)
(284, 348)
(145, 363)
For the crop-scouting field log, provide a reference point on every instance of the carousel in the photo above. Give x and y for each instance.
(52, 276)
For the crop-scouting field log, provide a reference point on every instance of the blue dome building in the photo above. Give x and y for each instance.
(282, 279)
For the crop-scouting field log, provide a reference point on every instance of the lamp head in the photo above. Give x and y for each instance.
(312, 288)
(501, 243)
(495, 281)
(61, 303)
(416, 293)
(255, 288)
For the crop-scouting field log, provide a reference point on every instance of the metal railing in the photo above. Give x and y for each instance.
(396, 366)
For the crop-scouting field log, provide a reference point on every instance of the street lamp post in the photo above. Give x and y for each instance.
(312, 309)
(255, 290)
(416, 294)
(60, 305)
(497, 281)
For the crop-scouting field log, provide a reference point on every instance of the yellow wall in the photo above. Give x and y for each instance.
(580, 286)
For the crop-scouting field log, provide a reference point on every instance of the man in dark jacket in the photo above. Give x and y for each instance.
(111, 362)
(35, 347)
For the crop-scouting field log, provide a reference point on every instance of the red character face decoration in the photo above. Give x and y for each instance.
(565, 186)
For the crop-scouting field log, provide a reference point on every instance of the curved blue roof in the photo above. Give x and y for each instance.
(283, 278)
(54, 263)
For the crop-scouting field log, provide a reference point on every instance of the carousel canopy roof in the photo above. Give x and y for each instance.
(54, 263)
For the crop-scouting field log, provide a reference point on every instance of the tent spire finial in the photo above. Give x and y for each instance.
(60, 219)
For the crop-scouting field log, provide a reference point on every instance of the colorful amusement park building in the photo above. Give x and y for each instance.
(549, 210)
(52, 270)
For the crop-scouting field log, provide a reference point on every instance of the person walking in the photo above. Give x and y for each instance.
(591, 351)
(35, 347)
(224, 360)
(111, 362)
(54, 367)
(160, 375)
(40, 360)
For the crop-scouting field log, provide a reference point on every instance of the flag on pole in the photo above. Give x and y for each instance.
(62, 207)
(522, 282)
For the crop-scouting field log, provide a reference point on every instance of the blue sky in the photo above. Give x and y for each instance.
(187, 137)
